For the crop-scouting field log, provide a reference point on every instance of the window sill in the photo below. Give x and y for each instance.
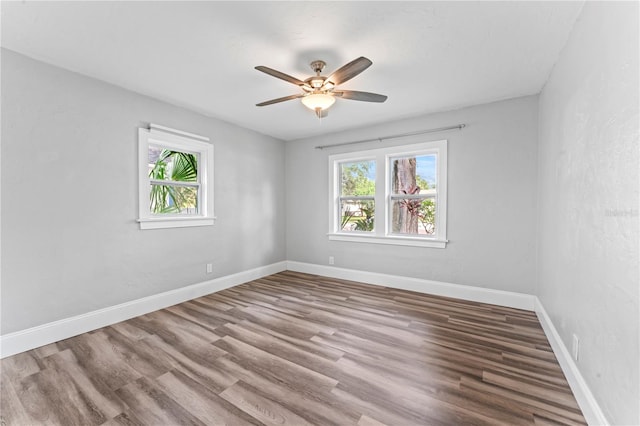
(174, 222)
(392, 240)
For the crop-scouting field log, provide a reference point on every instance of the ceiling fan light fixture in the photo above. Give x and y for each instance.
(318, 91)
(318, 100)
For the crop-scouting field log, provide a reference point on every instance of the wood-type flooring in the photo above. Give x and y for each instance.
(298, 349)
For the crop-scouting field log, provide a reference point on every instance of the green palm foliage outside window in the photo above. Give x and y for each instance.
(174, 183)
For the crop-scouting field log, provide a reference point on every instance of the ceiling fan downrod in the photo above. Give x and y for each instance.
(318, 66)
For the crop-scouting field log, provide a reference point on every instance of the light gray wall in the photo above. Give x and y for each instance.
(70, 243)
(588, 213)
(492, 199)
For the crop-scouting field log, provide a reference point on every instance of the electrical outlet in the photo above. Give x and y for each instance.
(331, 260)
(575, 347)
(209, 268)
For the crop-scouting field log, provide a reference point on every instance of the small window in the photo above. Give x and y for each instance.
(176, 179)
(393, 195)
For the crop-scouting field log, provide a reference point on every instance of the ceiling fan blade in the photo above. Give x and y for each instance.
(280, 75)
(275, 101)
(350, 70)
(360, 96)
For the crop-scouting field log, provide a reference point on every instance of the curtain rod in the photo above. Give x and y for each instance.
(439, 129)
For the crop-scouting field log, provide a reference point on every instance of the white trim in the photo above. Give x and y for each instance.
(24, 340)
(174, 222)
(382, 232)
(590, 409)
(395, 240)
(476, 294)
(175, 183)
(44, 334)
(180, 141)
(157, 127)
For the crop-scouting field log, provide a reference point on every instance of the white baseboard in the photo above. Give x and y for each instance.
(588, 404)
(35, 337)
(438, 288)
(590, 409)
(31, 338)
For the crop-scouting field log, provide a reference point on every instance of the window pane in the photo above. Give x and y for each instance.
(357, 215)
(178, 166)
(174, 200)
(413, 216)
(358, 178)
(413, 175)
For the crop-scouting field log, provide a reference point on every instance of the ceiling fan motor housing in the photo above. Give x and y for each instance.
(316, 82)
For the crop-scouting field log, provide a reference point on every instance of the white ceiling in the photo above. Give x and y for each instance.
(427, 56)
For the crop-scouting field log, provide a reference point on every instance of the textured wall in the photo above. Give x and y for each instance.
(70, 242)
(491, 195)
(588, 205)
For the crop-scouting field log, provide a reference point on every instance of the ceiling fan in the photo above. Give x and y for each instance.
(319, 92)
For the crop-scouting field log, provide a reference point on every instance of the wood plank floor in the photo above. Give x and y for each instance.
(298, 349)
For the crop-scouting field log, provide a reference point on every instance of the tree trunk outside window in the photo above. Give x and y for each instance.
(404, 182)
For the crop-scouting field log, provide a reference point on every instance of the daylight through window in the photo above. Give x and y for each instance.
(357, 195)
(392, 196)
(176, 171)
(173, 176)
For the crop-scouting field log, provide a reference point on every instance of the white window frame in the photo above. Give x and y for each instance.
(382, 227)
(177, 140)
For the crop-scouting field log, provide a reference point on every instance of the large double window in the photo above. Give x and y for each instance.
(176, 179)
(392, 195)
